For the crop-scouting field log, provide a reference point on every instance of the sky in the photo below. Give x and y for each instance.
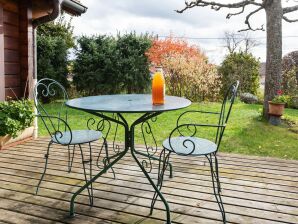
(200, 26)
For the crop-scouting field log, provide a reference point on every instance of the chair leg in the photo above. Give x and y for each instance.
(216, 185)
(162, 166)
(70, 157)
(45, 167)
(90, 188)
(217, 174)
(107, 159)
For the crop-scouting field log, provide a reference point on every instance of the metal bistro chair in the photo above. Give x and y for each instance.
(183, 141)
(59, 130)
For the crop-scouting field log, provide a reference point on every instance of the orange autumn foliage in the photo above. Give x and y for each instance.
(169, 47)
(186, 68)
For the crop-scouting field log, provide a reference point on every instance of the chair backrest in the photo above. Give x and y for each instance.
(226, 108)
(189, 129)
(54, 121)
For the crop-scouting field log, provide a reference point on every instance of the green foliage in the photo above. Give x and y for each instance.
(59, 28)
(95, 69)
(133, 64)
(243, 67)
(54, 39)
(107, 65)
(290, 82)
(281, 99)
(15, 116)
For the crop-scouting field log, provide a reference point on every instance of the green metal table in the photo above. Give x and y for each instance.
(120, 104)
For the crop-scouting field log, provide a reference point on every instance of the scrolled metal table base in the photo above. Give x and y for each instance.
(129, 146)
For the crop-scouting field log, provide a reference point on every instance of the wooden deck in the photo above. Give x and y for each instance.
(255, 190)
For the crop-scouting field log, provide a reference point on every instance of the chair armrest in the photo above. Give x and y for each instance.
(195, 127)
(195, 111)
(54, 129)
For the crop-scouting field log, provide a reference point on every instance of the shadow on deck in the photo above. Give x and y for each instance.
(254, 189)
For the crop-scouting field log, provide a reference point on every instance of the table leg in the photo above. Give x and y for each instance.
(131, 135)
(72, 212)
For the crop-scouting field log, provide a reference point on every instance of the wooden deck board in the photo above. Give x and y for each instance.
(255, 190)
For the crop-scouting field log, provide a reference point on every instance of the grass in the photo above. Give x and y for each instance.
(245, 132)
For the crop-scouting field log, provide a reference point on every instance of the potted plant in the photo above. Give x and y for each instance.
(277, 104)
(15, 121)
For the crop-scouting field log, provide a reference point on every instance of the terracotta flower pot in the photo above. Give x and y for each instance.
(276, 109)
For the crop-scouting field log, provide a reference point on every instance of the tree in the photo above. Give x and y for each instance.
(187, 70)
(168, 47)
(94, 68)
(132, 64)
(243, 67)
(54, 39)
(239, 42)
(109, 65)
(275, 13)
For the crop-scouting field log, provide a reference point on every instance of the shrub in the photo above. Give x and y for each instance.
(290, 73)
(132, 63)
(107, 65)
(294, 102)
(260, 96)
(289, 81)
(94, 67)
(187, 70)
(192, 78)
(52, 59)
(15, 116)
(243, 67)
(248, 98)
(54, 39)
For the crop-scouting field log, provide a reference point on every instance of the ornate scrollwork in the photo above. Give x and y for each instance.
(116, 147)
(151, 149)
(104, 125)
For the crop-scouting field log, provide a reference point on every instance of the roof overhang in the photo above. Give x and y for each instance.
(73, 7)
(45, 11)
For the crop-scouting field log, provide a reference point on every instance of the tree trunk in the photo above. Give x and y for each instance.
(273, 76)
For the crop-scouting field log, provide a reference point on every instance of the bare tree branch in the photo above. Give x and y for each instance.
(239, 42)
(248, 23)
(289, 20)
(234, 14)
(232, 41)
(249, 42)
(290, 9)
(217, 6)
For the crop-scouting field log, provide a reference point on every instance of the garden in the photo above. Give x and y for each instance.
(133, 127)
(106, 64)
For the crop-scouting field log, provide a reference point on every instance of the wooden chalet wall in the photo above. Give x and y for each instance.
(16, 48)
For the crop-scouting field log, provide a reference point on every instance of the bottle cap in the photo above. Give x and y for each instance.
(158, 68)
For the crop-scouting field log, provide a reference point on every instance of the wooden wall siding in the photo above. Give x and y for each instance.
(2, 79)
(26, 46)
(12, 69)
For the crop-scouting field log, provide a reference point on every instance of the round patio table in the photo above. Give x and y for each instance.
(120, 104)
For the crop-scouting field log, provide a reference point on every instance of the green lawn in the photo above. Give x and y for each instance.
(245, 133)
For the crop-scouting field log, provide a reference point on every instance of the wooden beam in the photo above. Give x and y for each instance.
(2, 78)
(26, 47)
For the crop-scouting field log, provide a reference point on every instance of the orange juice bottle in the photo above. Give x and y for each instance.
(158, 87)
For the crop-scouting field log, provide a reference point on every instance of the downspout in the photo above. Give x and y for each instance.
(55, 13)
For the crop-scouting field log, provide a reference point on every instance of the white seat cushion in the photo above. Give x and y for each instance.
(190, 145)
(78, 137)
